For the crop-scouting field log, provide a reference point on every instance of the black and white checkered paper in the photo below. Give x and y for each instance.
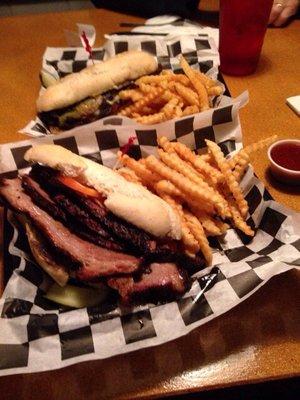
(37, 335)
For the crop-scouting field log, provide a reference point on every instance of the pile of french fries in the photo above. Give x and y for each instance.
(159, 98)
(203, 189)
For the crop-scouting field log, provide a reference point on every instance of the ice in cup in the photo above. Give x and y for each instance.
(243, 25)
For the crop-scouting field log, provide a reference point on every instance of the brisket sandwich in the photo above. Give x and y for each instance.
(85, 221)
(92, 93)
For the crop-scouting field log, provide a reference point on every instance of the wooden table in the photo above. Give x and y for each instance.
(256, 341)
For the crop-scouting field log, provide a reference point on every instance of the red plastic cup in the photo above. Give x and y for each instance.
(243, 25)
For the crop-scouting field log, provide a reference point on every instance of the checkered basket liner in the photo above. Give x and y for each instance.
(36, 335)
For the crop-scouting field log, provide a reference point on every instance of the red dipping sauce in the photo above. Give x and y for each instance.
(284, 157)
(287, 155)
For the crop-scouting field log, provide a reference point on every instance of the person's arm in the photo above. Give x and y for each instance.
(282, 10)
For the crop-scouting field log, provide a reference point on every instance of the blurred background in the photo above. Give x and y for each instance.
(18, 7)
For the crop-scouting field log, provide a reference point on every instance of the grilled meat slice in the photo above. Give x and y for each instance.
(41, 198)
(70, 214)
(85, 226)
(134, 238)
(170, 255)
(163, 282)
(91, 260)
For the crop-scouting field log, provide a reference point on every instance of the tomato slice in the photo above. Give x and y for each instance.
(78, 187)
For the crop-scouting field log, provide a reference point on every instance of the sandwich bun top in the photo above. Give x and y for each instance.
(128, 200)
(96, 79)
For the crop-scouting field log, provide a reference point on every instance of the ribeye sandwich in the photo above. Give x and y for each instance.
(92, 93)
(86, 221)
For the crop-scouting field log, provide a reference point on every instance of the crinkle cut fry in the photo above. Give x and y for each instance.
(146, 88)
(156, 80)
(188, 94)
(165, 144)
(200, 165)
(209, 224)
(198, 232)
(206, 80)
(246, 151)
(188, 239)
(141, 103)
(239, 221)
(151, 119)
(260, 144)
(129, 175)
(169, 108)
(189, 110)
(236, 217)
(186, 154)
(166, 72)
(239, 171)
(147, 177)
(223, 226)
(175, 162)
(228, 176)
(178, 180)
(239, 164)
(205, 157)
(168, 147)
(181, 78)
(184, 184)
(150, 79)
(131, 94)
(166, 187)
(201, 206)
(198, 85)
(240, 158)
(214, 90)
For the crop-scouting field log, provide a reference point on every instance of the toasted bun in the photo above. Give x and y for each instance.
(96, 79)
(57, 157)
(128, 200)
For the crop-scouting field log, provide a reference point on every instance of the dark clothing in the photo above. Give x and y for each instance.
(151, 8)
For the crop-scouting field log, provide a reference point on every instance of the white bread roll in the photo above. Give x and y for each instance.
(57, 157)
(128, 200)
(96, 79)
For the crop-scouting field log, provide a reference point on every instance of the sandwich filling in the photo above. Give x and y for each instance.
(85, 111)
(86, 241)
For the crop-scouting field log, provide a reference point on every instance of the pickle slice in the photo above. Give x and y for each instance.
(76, 297)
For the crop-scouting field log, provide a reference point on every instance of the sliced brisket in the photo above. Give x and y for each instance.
(134, 238)
(66, 211)
(93, 261)
(178, 257)
(41, 198)
(82, 224)
(163, 282)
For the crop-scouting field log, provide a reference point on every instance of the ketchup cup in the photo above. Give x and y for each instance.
(243, 25)
(284, 157)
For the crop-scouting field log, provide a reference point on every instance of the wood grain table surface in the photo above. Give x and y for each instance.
(256, 341)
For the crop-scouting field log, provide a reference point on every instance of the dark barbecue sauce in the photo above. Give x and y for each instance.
(287, 155)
